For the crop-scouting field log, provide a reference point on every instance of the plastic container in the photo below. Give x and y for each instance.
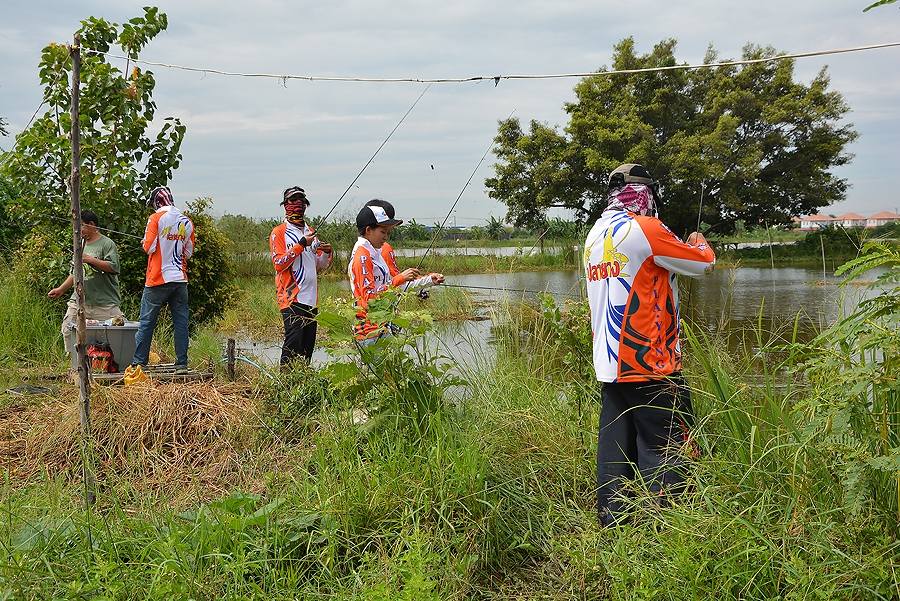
(119, 338)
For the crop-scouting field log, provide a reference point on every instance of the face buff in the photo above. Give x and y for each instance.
(294, 210)
(637, 198)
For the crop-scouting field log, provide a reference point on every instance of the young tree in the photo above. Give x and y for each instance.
(121, 160)
(756, 144)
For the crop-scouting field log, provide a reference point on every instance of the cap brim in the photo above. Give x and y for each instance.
(391, 222)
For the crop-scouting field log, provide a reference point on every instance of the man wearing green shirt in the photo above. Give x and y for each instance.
(101, 281)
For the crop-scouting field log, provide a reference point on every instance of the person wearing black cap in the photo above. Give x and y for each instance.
(101, 282)
(631, 260)
(369, 272)
(398, 277)
(298, 256)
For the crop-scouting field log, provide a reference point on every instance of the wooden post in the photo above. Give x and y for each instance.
(84, 374)
(229, 358)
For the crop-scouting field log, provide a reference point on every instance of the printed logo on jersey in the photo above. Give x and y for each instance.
(612, 263)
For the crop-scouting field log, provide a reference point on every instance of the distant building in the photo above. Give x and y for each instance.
(851, 220)
(811, 223)
(882, 218)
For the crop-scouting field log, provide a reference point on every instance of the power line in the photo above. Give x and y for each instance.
(497, 78)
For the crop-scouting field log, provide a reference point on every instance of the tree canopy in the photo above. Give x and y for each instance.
(758, 145)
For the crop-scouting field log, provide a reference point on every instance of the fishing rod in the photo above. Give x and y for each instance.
(523, 290)
(455, 202)
(372, 158)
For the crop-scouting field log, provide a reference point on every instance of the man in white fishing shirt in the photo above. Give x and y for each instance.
(631, 260)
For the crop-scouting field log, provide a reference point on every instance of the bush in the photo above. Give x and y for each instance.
(44, 258)
(210, 270)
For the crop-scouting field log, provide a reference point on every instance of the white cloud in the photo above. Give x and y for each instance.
(247, 138)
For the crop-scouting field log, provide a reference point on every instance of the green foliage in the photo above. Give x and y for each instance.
(293, 398)
(245, 233)
(29, 332)
(854, 366)
(494, 229)
(877, 4)
(121, 163)
(761, 144)
(210, 270)
(11, 230)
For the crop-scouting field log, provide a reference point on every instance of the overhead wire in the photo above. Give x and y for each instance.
(497, 78)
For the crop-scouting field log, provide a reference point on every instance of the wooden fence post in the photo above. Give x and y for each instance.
(84, 373)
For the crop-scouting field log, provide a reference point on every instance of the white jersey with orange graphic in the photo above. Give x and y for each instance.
(390, 259)
(296, 266)
(630, 263)
(169, 242)
(370, 275)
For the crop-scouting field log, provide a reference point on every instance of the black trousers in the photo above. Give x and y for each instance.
(644, 432)
(299, 332)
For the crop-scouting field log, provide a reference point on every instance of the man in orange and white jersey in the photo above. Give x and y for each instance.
(631, 260)
(169, 243)
(370, 274)
(298, 256)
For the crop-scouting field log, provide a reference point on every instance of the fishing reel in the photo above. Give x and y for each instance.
(423, 294)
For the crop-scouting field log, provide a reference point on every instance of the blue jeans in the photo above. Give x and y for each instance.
(174, 294)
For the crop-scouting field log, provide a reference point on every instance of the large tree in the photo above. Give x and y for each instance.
(759, 145)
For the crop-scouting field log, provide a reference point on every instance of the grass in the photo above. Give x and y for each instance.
(258, 264)
(489, 495)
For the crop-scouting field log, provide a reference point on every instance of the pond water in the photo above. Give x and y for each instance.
(729, 300)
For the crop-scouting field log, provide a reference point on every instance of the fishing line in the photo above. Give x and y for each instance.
(103, 229)
(455, 202)
(522, 290)
(372, 158)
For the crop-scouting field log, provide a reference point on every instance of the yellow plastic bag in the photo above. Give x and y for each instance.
(135, 375)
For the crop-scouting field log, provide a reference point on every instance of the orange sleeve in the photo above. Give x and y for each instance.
(387, 253)
(363, 281)
(282, 257)
(670, 253)
(150, 234)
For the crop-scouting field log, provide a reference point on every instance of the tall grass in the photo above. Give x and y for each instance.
(491, 495)
(29, 330)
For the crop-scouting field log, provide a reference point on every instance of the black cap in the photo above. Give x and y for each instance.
(293, 191)
(388, 207)
(373, 216)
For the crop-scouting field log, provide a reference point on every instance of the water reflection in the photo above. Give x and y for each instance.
(729, 301)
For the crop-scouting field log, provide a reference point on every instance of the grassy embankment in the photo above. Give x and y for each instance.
(806, 249)
(268, 489)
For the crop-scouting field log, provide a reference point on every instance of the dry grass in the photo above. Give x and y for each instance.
(164, 437)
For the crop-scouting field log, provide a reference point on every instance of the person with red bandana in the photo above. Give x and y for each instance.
(298, 256)
(631, 260)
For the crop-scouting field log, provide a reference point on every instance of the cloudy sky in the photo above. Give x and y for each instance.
(248, 139)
